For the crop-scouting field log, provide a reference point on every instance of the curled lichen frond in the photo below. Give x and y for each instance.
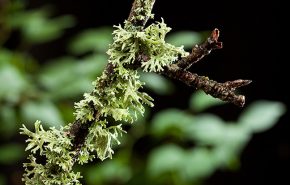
(37, 173)
(102, 139)
(160, 53)
(55, 147)
(121, 101)
(151, 40)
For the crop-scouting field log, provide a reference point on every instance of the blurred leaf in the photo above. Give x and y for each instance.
(231, 144)
(5, 56)
(92, 40)
(11, 91)
(8, 122)
(68, 78)
(186, 38)
(207, 129)
(226, 156)
(157, 83)
(66, 70)
(234, 163)
(109, 171)
(72, 90)
(236, 136)
(23, 63)
(171, 121)
(58, 73)
(198, 163)
(200, 101)
(11, 153)
(38, 27)
(66, 109)
(42, 110)
(92, 65)
(261, 115)
(167, 158)
(226, 140)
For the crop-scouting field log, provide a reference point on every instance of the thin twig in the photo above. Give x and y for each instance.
(223, 91)
(178, 70)
(199, 51)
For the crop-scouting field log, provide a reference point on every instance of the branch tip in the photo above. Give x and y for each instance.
(232, 85)
(224, 91)
(213, 40)
(215, 34)
(200, 51)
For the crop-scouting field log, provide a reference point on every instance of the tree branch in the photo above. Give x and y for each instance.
(140, 12)
(199, 51)
(108, 97)
(79, 131)
(223, 91)
(178, 70)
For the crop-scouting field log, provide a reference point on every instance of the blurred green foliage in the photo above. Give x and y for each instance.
(190, 147)
(10, 153)
(182, 146)
(38, 27)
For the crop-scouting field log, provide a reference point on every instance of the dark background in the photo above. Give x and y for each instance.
(253, 36)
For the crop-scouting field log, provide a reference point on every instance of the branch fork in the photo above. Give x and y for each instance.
(177, 70)
(224, 91)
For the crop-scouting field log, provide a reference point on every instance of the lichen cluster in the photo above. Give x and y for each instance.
(116, 95)
(54, 146)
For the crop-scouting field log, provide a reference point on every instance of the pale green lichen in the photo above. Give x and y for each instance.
(142, 11)
(56, 148)
(150, 40)
(116, 94)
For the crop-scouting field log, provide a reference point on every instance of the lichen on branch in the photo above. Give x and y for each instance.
(149, 42)
(117, 95)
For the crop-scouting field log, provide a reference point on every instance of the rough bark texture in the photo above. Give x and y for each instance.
(133, 16)
(223, 91)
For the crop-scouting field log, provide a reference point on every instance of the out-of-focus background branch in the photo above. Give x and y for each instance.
(51, 51)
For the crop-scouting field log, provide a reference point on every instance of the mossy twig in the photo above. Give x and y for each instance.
(117, 95)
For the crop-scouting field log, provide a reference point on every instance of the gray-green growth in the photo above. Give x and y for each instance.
(116, 94)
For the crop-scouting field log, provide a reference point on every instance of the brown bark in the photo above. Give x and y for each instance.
(223, 91)
(199, 51)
